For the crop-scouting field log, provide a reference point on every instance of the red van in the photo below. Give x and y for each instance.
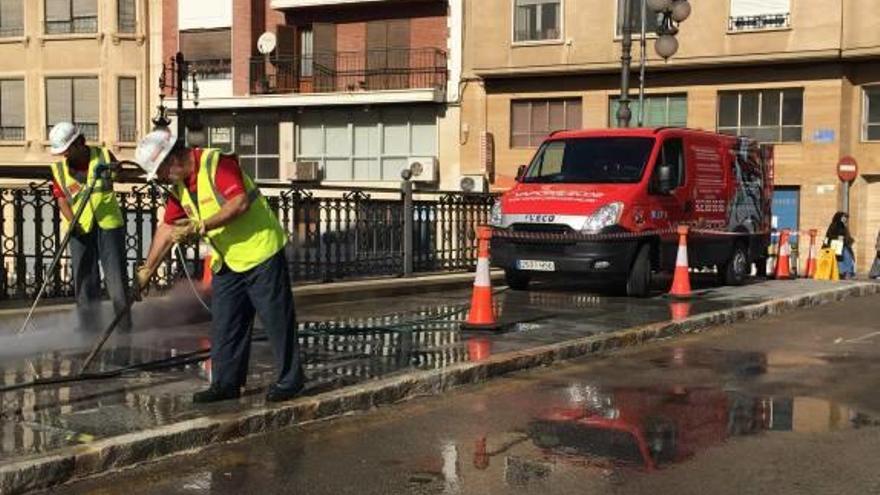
(606, 202)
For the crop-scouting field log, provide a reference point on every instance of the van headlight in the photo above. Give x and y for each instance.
(603, 217)
(495, 215)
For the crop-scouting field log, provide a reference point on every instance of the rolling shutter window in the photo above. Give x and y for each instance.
(213, 44)
(11, 103)
(740, 8)
(85, 8)
(11, 17)
(57, 10)
(59, 106)
(127, 109)
(127, 16)
(85, 100)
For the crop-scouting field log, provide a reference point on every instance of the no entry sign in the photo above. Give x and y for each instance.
(847, 169)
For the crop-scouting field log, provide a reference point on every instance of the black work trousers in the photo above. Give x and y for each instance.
(237, 297)
(86, 249)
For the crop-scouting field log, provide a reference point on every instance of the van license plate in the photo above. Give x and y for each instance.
(538, 266)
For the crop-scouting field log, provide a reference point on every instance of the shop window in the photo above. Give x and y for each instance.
(533, 120)
(770, 115)
(660, 111)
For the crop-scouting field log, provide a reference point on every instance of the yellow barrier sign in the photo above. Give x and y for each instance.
(826, 265)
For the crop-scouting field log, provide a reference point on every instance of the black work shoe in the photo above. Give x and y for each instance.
(275, 394)
(215, 394)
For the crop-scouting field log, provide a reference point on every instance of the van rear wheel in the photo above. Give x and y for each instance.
(736, 269)
(638, 282)
(516, 279)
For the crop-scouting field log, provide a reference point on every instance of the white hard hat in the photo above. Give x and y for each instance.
(153, 149)
(62, 135)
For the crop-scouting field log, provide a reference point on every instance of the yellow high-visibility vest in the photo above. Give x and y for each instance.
(247, 241)
(102, 205)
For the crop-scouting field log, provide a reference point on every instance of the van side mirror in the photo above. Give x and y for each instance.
(664, 179)
(520, 172)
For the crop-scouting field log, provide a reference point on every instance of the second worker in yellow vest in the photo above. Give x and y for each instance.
(212, 198)
(100, 232)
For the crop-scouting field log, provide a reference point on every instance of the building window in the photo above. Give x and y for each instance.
(71, 16)
(651, 19)
(126, 16)
(127, 101)
(660, 110)
(752, 15)
(257, 147)
(536, 20)
(533, 120)
(11, 18)
(871, 114)
(73, 99)
(372, 145)
(769, 115)
(209, 51)
(11, 110)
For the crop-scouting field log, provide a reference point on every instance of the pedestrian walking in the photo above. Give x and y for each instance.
(212, 198)
(838, 237)
(875, 267)
(99, 235)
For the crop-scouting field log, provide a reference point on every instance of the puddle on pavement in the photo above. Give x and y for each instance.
(336, 353)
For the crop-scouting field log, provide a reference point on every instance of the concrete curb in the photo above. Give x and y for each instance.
(326, 292)
(127, 450)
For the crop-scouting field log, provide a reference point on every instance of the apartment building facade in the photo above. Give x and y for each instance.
(83, 61)
(803, 74)
(359, 90)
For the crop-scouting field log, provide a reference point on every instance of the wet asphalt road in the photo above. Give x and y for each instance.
(783, 405)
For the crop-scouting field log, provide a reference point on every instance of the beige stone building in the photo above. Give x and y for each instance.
(803, 74)
(78, 60)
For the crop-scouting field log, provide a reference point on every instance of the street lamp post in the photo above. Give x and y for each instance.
(177, 74)
(670, 13)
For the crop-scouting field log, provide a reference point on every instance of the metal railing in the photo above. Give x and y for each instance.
(77, 25)
(11, 133)
(334, 234)
(89, 130)
(369, 70)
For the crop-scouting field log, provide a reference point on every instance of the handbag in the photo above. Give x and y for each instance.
(837, 246)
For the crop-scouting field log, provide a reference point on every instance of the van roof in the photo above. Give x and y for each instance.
(629, 132)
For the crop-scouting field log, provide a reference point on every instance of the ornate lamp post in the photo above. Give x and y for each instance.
(178, 76)
(670, 13)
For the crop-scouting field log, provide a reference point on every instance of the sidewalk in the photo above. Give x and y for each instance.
(384, 350)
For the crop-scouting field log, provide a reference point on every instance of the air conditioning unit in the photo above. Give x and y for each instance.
(302, 171)
(424, 168)
(476, 183)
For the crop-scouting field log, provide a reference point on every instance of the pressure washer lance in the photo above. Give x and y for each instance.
(134, 296)
(102, 172)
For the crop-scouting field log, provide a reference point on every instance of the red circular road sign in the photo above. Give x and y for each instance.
(847, 169)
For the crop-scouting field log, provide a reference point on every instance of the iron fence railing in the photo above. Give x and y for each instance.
(334, 234)
(368, 70)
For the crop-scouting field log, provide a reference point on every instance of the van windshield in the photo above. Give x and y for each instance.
(590, 160)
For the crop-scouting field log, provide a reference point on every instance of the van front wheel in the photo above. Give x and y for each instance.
(516, 279)
(638, 282)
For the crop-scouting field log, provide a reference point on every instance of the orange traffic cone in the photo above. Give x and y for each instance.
(482, 313)
(811, 257)
(681, 282)
(783, 263)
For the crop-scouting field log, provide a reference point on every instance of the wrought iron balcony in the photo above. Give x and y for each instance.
(758, 22)
(338, 72)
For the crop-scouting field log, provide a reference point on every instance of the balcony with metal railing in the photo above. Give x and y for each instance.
(759, 22)
(346, 72)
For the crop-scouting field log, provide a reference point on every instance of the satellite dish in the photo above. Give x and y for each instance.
(267, 42)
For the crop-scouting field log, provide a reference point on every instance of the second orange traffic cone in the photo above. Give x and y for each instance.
(783, 263)
(681, 281)
(811, 257)
(482, 313)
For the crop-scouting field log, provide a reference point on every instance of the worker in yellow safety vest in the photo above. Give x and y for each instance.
(100, 232)
(212, 198)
